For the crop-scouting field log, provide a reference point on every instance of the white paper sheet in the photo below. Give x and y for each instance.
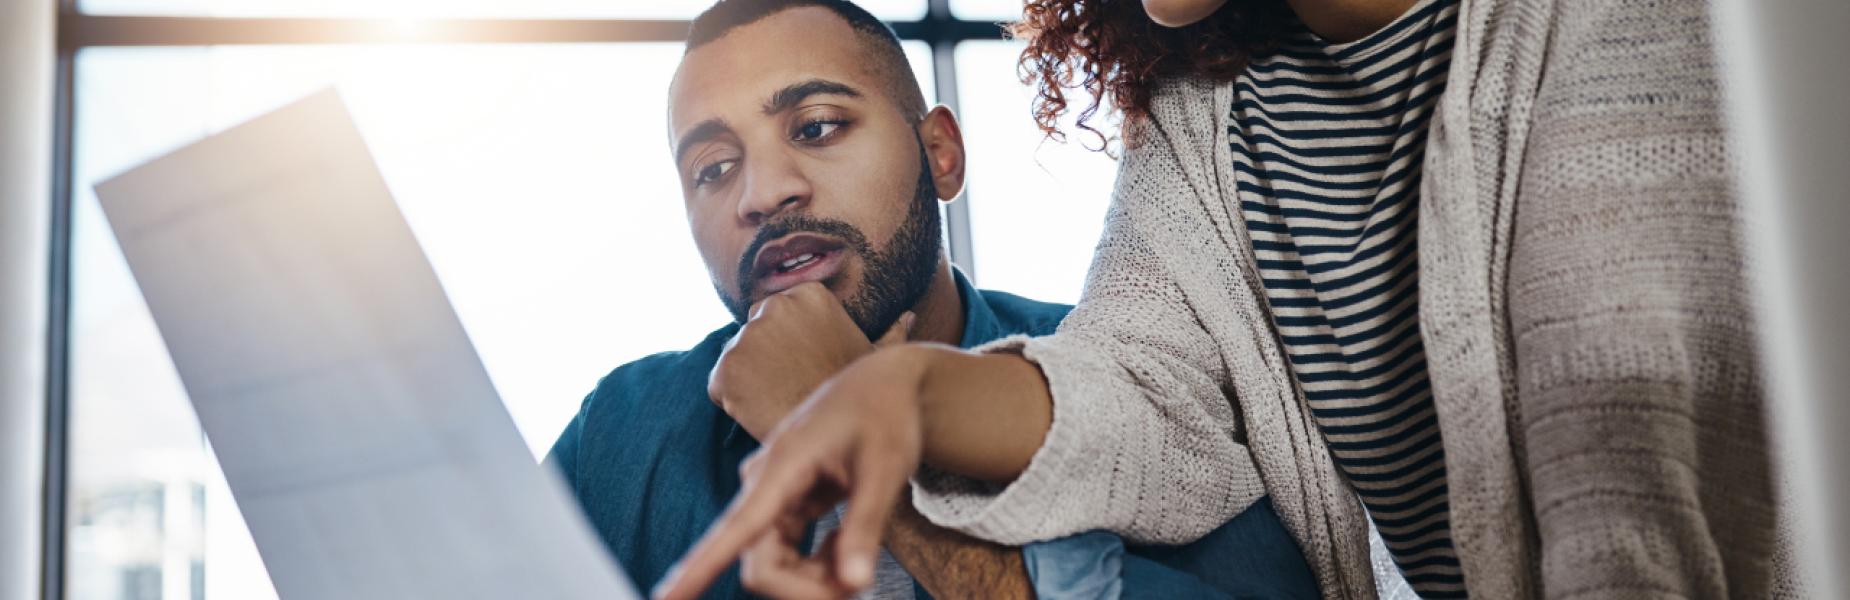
(359, 432)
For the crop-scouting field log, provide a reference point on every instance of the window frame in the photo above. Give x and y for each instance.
(939, 28)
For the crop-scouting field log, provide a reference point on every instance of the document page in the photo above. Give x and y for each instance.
(360, 434)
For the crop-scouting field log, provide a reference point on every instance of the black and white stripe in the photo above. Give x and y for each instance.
(1327, 143)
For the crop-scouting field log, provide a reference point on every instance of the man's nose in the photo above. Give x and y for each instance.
(773, 184)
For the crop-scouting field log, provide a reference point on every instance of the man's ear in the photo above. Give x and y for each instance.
(944, 147)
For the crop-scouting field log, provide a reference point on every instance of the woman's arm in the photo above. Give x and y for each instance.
(981, 415)
(1641, 407)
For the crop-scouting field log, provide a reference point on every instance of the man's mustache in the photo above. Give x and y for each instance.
(786, 225)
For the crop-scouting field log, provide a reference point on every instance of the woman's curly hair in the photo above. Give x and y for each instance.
(1116, 54)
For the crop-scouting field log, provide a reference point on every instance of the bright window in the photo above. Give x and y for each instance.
(1037, 206)
(536, 178)
(987, 10)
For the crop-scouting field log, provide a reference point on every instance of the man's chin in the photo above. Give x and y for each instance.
(835, 284)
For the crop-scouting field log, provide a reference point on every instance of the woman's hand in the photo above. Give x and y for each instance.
(858, 438)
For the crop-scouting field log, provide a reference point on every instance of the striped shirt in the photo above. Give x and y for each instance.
(1328, 141)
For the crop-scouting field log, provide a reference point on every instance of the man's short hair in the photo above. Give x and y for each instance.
(902, 85)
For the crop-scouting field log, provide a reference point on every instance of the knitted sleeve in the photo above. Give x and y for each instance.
(1640, 398)
(1144, 440)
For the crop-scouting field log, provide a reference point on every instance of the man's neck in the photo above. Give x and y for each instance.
(940, 312)
(1344, 21)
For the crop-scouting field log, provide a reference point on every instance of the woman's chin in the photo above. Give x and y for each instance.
(1180, 13)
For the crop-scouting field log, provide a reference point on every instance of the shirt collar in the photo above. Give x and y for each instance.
(980, 324)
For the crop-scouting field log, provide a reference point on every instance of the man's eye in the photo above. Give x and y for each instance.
(817, 130)
(713, 172)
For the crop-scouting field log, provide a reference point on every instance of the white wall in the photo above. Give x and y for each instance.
(27, 64)
(1789, 83)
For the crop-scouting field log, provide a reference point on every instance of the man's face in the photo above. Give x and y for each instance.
(797, 166)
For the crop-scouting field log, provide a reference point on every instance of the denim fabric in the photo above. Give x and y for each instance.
(1085, 566)
(1250, 556)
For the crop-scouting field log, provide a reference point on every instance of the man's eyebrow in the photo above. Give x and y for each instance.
(706, 130)
(796, 93)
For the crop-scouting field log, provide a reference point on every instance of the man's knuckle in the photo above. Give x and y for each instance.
(778, 452)
(751, 465)
(751, 572)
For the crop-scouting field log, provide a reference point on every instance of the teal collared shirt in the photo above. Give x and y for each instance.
(653, 462)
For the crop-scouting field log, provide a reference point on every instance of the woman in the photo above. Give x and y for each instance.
(1471, 262)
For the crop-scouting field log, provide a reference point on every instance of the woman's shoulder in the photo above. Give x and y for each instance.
(1187, 120)
(1189, 99)
(1179, 149)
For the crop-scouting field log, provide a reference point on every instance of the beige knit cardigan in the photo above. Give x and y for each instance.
(1585, 315)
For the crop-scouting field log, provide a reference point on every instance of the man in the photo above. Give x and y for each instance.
(811, 169)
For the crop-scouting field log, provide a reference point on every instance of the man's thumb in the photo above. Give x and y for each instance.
(897, 334)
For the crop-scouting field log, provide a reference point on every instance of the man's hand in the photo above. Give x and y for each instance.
(795, 340)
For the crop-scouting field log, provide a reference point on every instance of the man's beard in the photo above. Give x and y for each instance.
(893, 279)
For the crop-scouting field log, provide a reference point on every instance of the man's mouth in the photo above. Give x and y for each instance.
(799, 262)
(797, 259)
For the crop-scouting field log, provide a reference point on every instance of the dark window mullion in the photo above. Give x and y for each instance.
(58, 324)
(944, 72)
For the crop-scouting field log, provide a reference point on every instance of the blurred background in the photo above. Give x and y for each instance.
(535, 174)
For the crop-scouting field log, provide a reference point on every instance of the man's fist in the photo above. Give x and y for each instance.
(794, 340)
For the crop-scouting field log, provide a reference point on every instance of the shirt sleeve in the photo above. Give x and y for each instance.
(1094, 566)
(564, 453)
(1639, 406)
(1087, 566)
(1251, 556)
